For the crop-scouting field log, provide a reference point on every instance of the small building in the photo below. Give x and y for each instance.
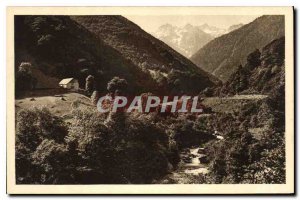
(69, 83)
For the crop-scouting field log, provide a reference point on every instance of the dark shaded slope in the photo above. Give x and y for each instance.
(148, 53)
(60, 47)
(264, 72)
(223, 55)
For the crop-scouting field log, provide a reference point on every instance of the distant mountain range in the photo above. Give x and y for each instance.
(104, 46)
(188, 39)
(222, 56)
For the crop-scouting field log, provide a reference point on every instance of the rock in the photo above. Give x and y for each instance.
(219, 137)
(201, 151)
(203, 159)
(187, 159)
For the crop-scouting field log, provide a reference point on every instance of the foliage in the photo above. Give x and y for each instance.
(78, 46)
(24, 78)
(120, 149)
(146, 52)
(243, 158)
(189, 133)
(89, 84)
(262, 73)
(55, 162)
(35, 126)
(95, 97)
(223, 55)
(117, 84)
(139, 148)
(60, 47)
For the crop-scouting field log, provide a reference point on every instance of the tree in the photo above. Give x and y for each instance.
(54, 162)
(128, 150)
(95, 97)
(117, 84)
(253, 60)
(89, 84)
(33, 127)
(24, 78)
(90, 137)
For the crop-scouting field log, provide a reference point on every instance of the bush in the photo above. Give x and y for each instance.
(241, 158)
(33, 127)
(89, 84)
(189, 133)
(95, 97)
(117, 84)
(55, 163)
(125, 149)
(24, 79)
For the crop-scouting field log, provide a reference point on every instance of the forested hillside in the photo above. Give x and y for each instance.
(148, 53)
(60, 47)
(223, 55)
(263, 72)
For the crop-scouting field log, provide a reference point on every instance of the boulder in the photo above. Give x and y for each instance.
(203, 159)
(201, 151)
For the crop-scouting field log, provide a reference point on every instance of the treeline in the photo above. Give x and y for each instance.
(253, 150)
(91, 149)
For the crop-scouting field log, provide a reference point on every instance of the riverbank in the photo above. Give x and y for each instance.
(193, 165)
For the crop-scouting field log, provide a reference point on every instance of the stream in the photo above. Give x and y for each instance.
(193, 162)
(195, 167)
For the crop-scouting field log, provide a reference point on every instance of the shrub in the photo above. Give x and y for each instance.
(36, 124)
(33, 127)
(89, 84)
(55, 162)
(117, 84)
(241, 158)
(95, 97)
(189, 133)
(124, 150)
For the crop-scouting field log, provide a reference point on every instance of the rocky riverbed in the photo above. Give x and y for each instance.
(193, 163)
(193, 166)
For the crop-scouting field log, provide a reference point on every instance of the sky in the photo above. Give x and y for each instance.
(151, 23)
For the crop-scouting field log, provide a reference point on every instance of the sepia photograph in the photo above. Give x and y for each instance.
(150, 100)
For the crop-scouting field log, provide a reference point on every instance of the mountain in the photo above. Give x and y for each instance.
(233, 27)
(186, 40)
(152, 56)
(263, 72)
(59, 47)
(212, 30)
(223, 55)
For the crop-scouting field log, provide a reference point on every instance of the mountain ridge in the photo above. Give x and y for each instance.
(146, 51)
(224, 54)
(60, 47)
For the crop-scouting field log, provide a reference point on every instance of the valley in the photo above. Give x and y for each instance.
(64, 64)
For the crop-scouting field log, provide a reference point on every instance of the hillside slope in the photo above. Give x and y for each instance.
(263, 72)
(148, 53)
(223, 55)
(59, 47)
